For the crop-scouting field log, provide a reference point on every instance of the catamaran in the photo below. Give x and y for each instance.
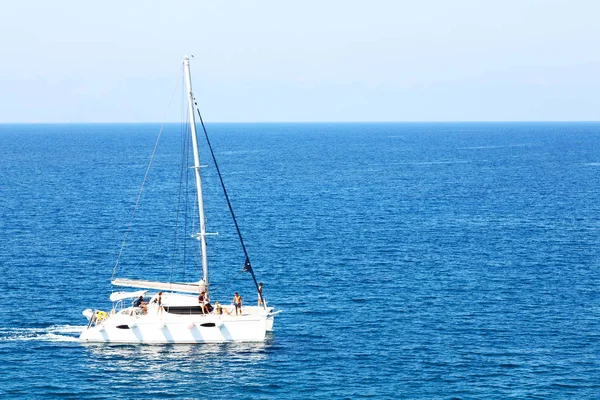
(180, 312)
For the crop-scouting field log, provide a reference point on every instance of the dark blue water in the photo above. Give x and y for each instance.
(411, 260)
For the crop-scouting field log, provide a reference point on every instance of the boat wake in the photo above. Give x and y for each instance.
(55, 333)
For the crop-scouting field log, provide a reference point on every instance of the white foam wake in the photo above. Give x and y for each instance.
(54, 333)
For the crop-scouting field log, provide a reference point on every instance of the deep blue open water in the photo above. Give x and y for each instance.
(410, 260)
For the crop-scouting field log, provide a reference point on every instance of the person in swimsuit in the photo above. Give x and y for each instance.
(260, 294)
(237, 303)
(159, 301)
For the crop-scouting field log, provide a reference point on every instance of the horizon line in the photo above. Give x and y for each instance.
(307, 122)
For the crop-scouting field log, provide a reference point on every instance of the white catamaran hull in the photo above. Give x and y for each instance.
(168, 328)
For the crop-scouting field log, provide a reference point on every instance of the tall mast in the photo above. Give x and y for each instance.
(202, 235)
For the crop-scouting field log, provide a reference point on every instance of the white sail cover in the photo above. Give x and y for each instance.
(195, 287)
(116, 296)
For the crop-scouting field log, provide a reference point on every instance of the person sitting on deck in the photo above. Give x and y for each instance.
(204, 302)
(139, 302)
(219, 310)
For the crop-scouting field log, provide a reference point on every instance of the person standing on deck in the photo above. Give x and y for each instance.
(237, 303)
(260, 299)
(159, 301)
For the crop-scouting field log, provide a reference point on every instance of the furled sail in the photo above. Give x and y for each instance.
(194, 287)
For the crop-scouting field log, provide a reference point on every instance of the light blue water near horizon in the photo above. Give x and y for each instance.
(412, 260)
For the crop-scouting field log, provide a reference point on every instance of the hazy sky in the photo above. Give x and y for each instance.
(326, 60)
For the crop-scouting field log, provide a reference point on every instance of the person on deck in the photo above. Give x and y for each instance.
(204, 303)
(159, 302)
(138, 302)
(237, 302)
(260, 299)
(141, 304)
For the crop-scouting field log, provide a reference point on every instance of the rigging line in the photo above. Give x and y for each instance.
(185, 127)
(182, 168)
(137, 202)
(247, 264)
(186, 196)
(223, 186)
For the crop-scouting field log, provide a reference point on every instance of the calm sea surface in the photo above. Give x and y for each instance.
(410, 260)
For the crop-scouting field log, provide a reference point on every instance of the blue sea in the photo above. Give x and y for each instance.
(411, 260)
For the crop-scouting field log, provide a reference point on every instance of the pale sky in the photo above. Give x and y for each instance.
(325, 60)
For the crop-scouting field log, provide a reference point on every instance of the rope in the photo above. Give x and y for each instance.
(247, 264)
(182, 171)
